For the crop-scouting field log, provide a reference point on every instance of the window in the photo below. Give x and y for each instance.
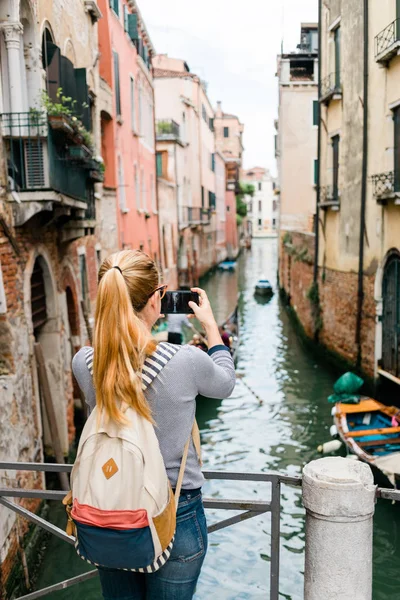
(213, 162)
(84, 283)
(250, 206)
(396, 120)
(204, 112)
(335, 162)
(202, 196)
(117, 84)
(159, 164)
(259, 223)
(153, 194)
(226, 132)
(211, 124)
(121, 186)
(137, 187)
(260, 206)
(126, 14)
(337, 57)
(259, 186)
(211, 200)
(273, 223)
(133, 112)
(144, 199)
(98, 258)
(315, 112)
(315, 171)
(140, 111)
(115, 6)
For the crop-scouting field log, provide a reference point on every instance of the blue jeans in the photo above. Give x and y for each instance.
(177, 579)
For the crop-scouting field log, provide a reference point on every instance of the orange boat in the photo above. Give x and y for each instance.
(371, 431)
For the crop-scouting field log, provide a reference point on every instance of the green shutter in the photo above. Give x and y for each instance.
(159, 165)
(315, 112)
(82, 98)
(316, 171)
(211, 122)
(133, 27)
(117, 84)
(115, 6)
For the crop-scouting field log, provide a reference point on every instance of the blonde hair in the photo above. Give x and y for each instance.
(121, 339)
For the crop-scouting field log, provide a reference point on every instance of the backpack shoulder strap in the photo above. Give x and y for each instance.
(152, 366)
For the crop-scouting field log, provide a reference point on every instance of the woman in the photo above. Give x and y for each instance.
(128, 305)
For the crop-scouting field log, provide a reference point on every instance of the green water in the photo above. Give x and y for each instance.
(280, 432)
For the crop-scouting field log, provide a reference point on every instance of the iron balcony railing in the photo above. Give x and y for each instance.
(42, 158)
(329, 196)
(385, 185)
(194, 215)
(167, 129)
(330, 86)
(248, 509)
(387, 41)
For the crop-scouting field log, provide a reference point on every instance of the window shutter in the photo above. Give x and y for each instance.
(53, 62)
(132, 22)
(212, 124)
(126, 13)
(82, 98)
(115, 6)
(315, 171)
(315, 112)
(117, 84)
(159, 165)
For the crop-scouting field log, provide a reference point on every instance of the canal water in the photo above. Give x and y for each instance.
(277, 425)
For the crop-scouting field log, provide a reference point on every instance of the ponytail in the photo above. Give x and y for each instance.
(121, 340)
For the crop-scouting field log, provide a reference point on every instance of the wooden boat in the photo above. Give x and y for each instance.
(228, 265)
(263, 288)
(370, 432)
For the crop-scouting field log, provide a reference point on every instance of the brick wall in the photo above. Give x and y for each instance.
(335, 319)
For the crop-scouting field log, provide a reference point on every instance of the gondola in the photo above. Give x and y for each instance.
(370, 430)
(231, 325)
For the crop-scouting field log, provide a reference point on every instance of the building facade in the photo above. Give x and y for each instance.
(185, 138)
(229, 143)
(126, 52)
(262, 207)
(50, 241)
(356, 275)
(296, 139)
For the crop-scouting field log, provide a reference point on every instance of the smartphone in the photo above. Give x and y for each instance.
(177, 303)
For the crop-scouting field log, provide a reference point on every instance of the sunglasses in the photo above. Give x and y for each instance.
(162, 289)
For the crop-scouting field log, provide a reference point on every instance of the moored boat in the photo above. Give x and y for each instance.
(227, 265)
(231, 326)
(371, 431)
(263, 288)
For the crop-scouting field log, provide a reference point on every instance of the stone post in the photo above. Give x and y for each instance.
(339, 498)
(12, 36)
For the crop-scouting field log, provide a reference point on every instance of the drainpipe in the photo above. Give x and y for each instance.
(360, 294)
(318, 195)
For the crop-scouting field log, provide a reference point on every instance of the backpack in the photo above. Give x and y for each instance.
(121, 506)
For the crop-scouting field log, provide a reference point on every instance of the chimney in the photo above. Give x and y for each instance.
(219, 108)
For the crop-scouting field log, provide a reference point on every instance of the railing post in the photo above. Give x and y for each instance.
(339, 497)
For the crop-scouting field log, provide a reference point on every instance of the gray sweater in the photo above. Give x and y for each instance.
(172, 398)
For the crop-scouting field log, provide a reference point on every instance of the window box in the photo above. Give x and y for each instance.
(62, 123)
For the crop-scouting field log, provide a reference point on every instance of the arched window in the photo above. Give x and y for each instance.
(38, 298)
(391, 316)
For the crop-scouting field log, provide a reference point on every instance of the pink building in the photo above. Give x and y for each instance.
(128, 138)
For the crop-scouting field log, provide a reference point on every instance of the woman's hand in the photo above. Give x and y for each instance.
(203, 312)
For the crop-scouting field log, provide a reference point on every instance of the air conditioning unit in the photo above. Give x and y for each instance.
(36, 164)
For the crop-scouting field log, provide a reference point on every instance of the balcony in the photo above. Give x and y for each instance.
(329, 198)
(50, 170)
(386, 187)
(331, 88)
(167, 130)
(387, 43)
(192, 216)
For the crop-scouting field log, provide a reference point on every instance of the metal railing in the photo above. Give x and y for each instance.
(194, 215)
(330, 85)
(329, 195)
(387, 38)
(248, 508)
(40, 158)
(167, 129)
(384, 184)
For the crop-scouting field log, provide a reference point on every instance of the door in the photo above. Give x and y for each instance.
(391, 316)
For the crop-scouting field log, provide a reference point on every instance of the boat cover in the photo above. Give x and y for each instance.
(389, 465)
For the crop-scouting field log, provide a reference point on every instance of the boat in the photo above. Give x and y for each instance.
(371, 431)
(263, 288)
(227, 265)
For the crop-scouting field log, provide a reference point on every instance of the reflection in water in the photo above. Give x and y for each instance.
(242, 433)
